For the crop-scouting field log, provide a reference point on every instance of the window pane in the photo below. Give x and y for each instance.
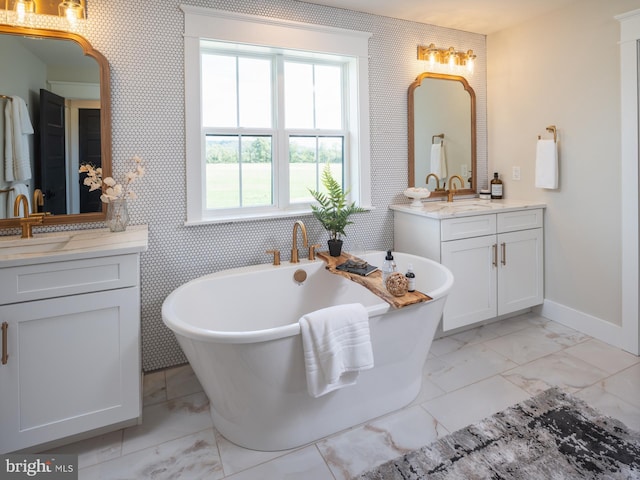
(307, 157)
(298, 95)
(254, 75)
(239, 171)
(257, 172)
(222, 174)
(328, 88)
(219, 93)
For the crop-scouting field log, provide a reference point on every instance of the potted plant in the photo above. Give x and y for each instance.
(333, 210)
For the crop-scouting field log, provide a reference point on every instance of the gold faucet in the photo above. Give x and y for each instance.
(305, 242)
(38, 200)
(438, 189)
(28, 220)
(452, 189)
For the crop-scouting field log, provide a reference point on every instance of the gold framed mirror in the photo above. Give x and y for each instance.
(85, 114)
(442, 133)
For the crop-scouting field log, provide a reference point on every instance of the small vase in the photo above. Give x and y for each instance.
(117, 215)
(335, 247)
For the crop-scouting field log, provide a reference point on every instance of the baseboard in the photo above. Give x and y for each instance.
(583, 322)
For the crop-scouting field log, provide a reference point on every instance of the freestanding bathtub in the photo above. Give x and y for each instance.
(239, 330)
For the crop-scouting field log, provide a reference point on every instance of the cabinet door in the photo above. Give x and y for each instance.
(473, 296)
(520, 275)
(73, 366)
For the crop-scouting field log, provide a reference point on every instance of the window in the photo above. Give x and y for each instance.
(265, 116)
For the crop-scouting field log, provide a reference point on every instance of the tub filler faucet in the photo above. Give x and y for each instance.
(305, 242)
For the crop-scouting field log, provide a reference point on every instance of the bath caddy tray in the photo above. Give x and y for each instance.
(372, 281)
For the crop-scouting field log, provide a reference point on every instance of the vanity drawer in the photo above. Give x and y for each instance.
(466, 227)
(55, 279)
(520, 220)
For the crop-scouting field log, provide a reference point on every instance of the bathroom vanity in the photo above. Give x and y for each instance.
(493, 248)
(70, 316)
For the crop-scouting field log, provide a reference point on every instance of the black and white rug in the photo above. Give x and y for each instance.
(550, 436)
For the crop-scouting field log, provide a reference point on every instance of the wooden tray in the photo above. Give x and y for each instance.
(373, 281)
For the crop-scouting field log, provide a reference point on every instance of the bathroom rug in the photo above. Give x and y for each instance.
(550, 436)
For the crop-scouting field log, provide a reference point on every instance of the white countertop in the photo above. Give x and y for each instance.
(71, 245)
(465, 208)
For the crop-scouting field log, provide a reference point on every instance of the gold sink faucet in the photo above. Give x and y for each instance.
(27, 221)
(452, 189)
(305, 242)
(438, 189)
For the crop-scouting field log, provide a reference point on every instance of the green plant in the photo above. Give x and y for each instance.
(333, 210)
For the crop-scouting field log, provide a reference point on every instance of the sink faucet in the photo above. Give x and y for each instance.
(452, 189)
(305, 242)
(28, 220)
(438, 189)
(38, 200)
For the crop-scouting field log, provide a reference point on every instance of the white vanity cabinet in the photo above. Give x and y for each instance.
(71, 345)
(496, 258)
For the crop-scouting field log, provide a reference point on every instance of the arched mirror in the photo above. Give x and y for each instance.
(442, 133)
(57, 84)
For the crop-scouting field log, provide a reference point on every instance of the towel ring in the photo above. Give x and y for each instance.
(440, 135)
(554, 130)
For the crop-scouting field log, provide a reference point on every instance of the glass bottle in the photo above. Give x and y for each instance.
(496, 187)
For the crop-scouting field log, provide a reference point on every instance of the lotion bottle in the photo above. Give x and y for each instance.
(496, 187)
(388, 267)
(411, 278)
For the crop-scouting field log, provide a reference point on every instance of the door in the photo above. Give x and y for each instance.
(73, 366)
(473, 296)
(50, 162)
(520, 275)
(89, 151)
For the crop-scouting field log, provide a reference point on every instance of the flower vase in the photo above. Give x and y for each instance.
(117, 215)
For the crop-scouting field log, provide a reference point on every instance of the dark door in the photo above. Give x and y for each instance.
(90, 151)
(50, 164)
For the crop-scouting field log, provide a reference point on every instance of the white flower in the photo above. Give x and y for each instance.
(114, 190)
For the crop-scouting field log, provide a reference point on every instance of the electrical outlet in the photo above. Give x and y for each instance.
(515, 175)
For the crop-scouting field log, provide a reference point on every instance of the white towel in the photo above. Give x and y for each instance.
(438, 160)
(18, 188)
(337, 346)
(17, 165)
(547, 164)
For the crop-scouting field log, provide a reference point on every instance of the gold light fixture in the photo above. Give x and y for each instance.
(447, 60)
(72, 10)
(68, 15)
(24, 10)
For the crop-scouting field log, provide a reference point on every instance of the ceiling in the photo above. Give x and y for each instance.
(478, 16)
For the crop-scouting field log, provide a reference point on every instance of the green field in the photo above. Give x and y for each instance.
(223, 183)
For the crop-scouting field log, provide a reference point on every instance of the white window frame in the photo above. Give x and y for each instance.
(211, 24)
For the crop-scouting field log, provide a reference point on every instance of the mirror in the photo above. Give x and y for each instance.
(442, 132)
(70, 127)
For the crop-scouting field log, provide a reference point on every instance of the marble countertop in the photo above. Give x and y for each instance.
(71, 245)
(465, 208)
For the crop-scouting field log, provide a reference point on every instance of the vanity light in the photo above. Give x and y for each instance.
(24, 10)
(447, 61)
(68, 16)
(72, 10)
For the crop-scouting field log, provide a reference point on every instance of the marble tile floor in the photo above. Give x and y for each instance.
(467, 377)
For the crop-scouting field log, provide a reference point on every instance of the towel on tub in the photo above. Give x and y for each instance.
(336, 345)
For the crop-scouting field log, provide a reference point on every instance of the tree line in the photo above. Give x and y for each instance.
(258, 150)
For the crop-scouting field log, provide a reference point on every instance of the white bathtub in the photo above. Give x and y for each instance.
(239, 330)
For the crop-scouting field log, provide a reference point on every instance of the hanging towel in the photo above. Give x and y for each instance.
(547, 164)
(18, 188)
(336, 345)
(17, 166)
(438, 160)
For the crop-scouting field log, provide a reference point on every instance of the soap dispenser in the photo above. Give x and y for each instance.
(388, 267)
